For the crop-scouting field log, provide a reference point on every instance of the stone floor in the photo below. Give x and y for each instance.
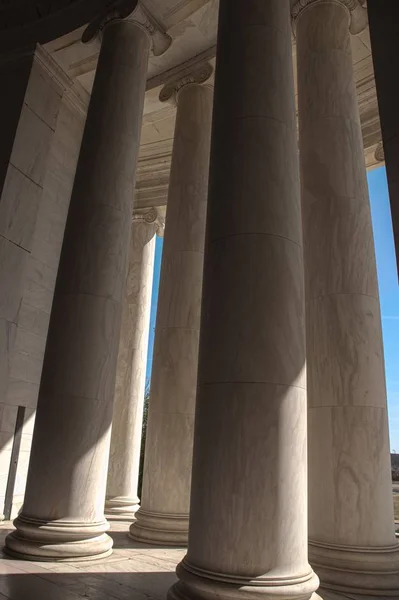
(133, 572)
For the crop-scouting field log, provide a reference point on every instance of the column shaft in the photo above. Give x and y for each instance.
(127, 421)
(351, 530)
(163, 516)
(63, 512)
(248, 525)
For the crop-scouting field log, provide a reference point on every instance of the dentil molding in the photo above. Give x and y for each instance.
(358, 12)
(135, 12)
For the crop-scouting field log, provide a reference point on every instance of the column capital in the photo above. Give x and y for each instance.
(356, 9)
(134, 12)
(170, 91)
(150, 216)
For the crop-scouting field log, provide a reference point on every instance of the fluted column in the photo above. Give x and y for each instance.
(248, 518)
(351, 528)
(127, 420)
(63, 512)
(163, 516)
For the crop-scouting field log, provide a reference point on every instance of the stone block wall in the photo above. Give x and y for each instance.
(34, 203)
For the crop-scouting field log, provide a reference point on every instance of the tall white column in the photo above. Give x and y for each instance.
(351, 527)
(63, 512)
(163, 516)
(248, 517)
(127, 420)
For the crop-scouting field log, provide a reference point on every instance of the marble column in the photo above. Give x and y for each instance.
(163, 516)
(127, 421)
(351, 525)
(248, 517)
(63, 512)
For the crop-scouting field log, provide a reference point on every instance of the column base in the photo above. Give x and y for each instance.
(196, 584)
(325, 594)
(122, 506)
(346, 571)
(163, 529)
(58, 541)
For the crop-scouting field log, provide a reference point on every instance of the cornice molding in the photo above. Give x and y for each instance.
(53, 69)
(197, 77)
(134, 12)
(150, 216)
(71, 90)
(78, 97)
(357, 12)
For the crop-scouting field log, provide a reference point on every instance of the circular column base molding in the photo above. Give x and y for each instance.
(356, 570)
(58, 541)
(122, 506)
(196, 584)
(163, 529)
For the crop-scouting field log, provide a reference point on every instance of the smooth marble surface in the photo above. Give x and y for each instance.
(134, 571)
(350, 497)
(127, 421)
(269, 160)
(27, 138)
(333, 271)
(163, 516)
(25, 167)
(257, 351)
(13, 261)
(351, 487)
(248, 524)
(63, 513)
(179, 370)
(344, 334)
(228, 468)
(18, 208)
(176, 428)
(31, 146)
(43, 93)
(26, 361)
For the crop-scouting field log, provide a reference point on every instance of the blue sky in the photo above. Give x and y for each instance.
(154, 302)
(389, 294)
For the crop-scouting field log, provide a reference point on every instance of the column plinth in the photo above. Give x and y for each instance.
(352, 545)
(248, 515)
(163, 516)
(122, 506)
(127, 422)
(197, 584)
(61, 541)
(63, 512)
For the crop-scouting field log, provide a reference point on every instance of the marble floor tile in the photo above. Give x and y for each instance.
(133, 572)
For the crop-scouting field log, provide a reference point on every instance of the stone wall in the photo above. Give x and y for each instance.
(44, 159)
